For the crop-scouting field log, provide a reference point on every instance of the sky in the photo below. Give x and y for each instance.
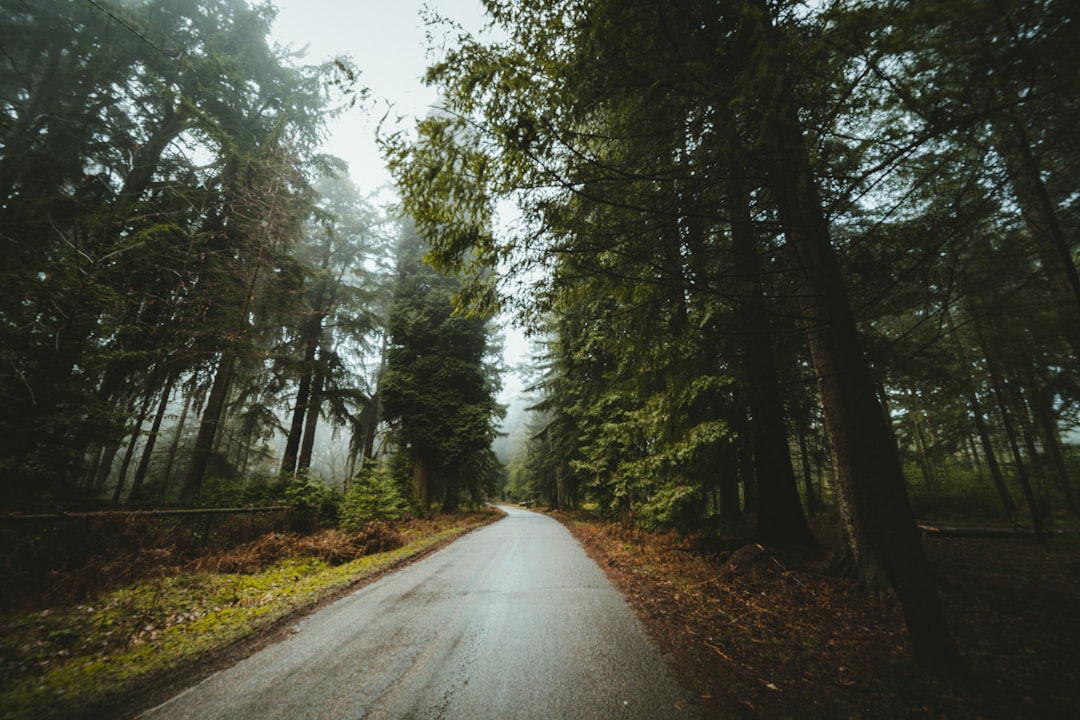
(389, 45)
(387, 41)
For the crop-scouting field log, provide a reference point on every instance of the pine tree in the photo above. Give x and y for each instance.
(438, 390)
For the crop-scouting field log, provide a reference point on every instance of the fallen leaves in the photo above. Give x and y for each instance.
(761, 633)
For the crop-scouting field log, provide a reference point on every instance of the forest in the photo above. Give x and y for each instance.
(780, 257)
(200, 307)
(780, 261)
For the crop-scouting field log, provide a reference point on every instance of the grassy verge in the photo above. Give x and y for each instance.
(58, 661)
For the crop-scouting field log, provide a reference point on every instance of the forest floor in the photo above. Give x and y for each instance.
(759, 633)
(145, 626)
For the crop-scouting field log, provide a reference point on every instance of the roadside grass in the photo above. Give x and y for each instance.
(59, 659)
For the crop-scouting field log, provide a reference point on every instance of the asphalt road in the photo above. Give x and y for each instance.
(511, 621)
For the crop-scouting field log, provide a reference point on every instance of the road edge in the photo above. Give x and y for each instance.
(150, 691)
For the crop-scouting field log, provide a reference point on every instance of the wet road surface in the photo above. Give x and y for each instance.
(511, 621)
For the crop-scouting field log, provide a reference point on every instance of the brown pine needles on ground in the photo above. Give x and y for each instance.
(330, 546)
(760, 633)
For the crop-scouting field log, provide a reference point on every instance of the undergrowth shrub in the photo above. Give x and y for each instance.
(330, 546)
(317, 505)
(72, 559)
(678, 508)
(220, 492)
(374, 495)
(960, 494)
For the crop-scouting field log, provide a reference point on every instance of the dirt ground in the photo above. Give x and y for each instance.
(759, 633)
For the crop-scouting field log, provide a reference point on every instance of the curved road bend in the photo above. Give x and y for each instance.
(511, 621)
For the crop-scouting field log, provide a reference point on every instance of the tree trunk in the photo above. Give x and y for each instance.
(1042, 413)
(296, 427)
(1010, 435)
(730, 506)
(376, 398)
(747, 473)
(313, 338)
(91, 472)
(103, 466)
(208, 428)
(879, 525)
(108, 457)
(136, 433)
(560, 488)
(307, 448)
(108, 392)
(780, 518)
(998, 478)
(151, 441)
(926, 463)
(178, 434)
(972, 458)
(728, 479)
(813, 504)
(1007, 503)
(422, 479)
(1027, 434)
(1039, 213)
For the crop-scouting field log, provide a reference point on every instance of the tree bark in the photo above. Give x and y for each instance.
(174, 446)
(922, 444)
(208, 428)
(747, 471)
(813, 504)
(996, 385)
(314, 409)
(136, 433)
(178, 434)
(780, 518)
(1027, 434)
(878, 522)
(313, 336)
(1007, 502)
(728, 480)
(978, 415)
(151, 441)
(103, 466)
(1042, 413)
(422, 479)
(1039, 212)
(296, 426)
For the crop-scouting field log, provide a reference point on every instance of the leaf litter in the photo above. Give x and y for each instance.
(764, 633)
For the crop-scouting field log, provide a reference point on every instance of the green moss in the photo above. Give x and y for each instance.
(91, 652)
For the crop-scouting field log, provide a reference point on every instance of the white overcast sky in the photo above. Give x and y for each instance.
(387, 41)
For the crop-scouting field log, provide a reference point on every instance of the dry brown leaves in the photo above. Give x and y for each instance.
(762, 633)
(331, 546)
(75, 561)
